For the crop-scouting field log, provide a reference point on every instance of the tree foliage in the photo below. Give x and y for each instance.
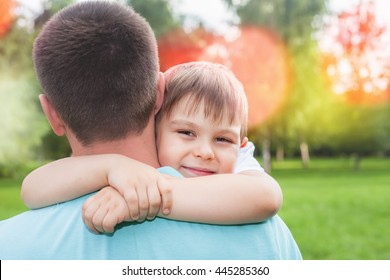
(158, 13)
(6, 16)
(313, 113)
(293, 21)
(356, 57)
(356, 63)
(178, 46)
(22, 122)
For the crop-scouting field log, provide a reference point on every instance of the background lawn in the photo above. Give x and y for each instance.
(333, 211)
(10, 201)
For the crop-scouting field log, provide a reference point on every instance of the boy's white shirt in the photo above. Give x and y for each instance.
(246, 161)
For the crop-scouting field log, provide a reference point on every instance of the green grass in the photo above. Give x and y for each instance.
(10, 201)
(333, 211)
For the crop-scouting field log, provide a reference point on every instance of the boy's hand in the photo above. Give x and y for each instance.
(104, 210)
(143, 188)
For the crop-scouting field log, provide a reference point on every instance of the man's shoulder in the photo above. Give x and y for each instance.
(44, 233)
(267, 240)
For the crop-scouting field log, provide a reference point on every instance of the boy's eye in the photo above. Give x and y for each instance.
(186, 132)
(223, 139)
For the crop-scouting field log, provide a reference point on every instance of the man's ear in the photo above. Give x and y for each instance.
(51, 114)
(244, 142)
(160, 93)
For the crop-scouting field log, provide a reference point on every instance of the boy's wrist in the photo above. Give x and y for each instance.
(111, 165)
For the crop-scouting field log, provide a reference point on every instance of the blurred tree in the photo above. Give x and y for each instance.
(179, 46)
(15, 51)
(356, 57)
(158, 13)
(293, 22)
(356, 61)
(308, 105)
(22, 121)
(6, 16)
(258, 58)
(367, 131)
(167, 29)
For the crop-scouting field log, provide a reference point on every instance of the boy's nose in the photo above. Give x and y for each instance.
(205, 152)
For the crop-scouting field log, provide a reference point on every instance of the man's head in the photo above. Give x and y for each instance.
(98, 67)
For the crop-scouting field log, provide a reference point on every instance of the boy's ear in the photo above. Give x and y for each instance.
(51, 114)
(244, 142)
(160, 93)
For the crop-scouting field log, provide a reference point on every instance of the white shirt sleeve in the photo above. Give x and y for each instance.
(246, 161)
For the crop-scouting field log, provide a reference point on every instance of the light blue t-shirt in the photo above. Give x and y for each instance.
(58, 232)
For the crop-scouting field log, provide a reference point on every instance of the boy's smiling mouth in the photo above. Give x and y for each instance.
(198, 171)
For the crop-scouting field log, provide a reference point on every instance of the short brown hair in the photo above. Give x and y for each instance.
(97, 63)
(211, 83)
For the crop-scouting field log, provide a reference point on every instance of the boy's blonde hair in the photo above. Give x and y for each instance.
(212, 84)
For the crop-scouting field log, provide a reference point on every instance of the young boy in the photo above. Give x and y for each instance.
(201, 130)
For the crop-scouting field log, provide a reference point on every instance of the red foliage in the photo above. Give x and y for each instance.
(6, 16)
(179, 47)
(256, 57)
(359, 30)
(358, 65)
(259, 61)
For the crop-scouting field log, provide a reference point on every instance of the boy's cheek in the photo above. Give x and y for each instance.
(227, 165)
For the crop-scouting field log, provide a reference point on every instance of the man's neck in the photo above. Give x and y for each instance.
(140, 147)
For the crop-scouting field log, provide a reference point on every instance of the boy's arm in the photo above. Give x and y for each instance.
(142, 186)
(63, 180)
(246, 197)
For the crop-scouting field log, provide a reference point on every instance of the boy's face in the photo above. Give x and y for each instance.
(195, 145)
